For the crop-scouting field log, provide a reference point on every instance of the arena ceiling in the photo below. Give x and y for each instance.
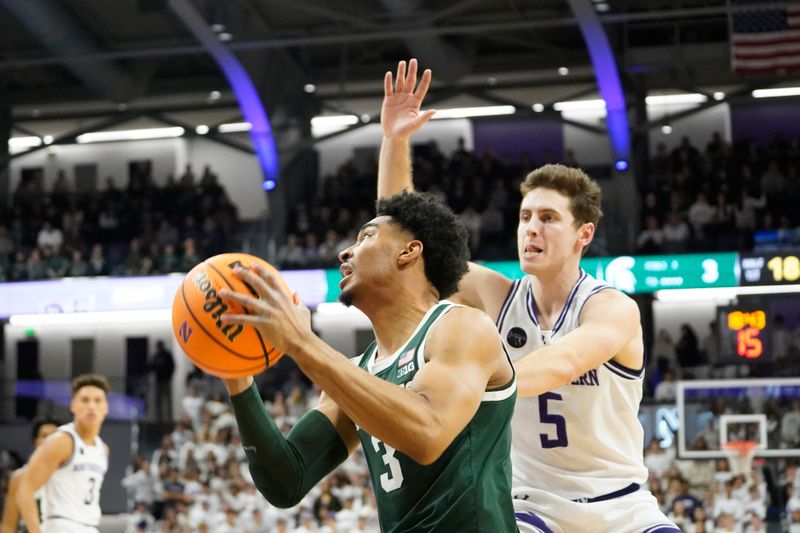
(69, 60)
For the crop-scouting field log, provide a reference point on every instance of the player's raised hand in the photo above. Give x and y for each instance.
(281, 318)
(400, 113)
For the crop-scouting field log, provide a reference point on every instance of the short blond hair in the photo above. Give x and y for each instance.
(583, 192)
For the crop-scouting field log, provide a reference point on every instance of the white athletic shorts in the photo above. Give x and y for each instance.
(65, 525)
(539, 511)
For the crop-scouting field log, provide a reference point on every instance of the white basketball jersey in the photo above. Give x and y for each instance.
(73, 491)
(580, 440)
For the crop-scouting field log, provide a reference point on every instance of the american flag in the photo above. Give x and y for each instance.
(765, 40)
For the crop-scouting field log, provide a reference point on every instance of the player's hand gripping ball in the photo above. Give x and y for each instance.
(221, 349)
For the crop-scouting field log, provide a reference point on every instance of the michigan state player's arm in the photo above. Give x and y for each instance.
(284, 469)
(609, 329)
(54, 452)
(465, 357)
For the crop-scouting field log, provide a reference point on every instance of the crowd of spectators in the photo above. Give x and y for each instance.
(198, 478)
(140, 230)
(729, 196)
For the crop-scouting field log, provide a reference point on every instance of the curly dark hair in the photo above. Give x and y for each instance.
(443, 237)
(39, 422)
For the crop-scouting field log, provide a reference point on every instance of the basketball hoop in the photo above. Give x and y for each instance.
(740, 456)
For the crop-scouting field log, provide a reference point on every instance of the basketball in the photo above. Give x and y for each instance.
(223, 350)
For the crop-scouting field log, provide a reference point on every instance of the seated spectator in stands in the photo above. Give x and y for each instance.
(140, 484)
(140, 521)
(666, 390)
(97, 262)
(651, 239)
(310, 248)
(726, 504)
(700, 216)
(49, 236)
(35, 266)
(657, 460)
(687, 349)
(472, 222)
(744, 216)
(492, 232)
(676, 234)
(132, 264)
(190, 256)
(722, 227)
(18, 270)
(291, 256)
(790, 427)
(55, 264)
(328, 251)
(108, 223)
(166, 234)
(700, 522)
(77, 266)
(678, 514)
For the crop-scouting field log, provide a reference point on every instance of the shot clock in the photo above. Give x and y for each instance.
(745, 332)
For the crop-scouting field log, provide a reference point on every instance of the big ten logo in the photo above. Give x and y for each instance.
(748, 325)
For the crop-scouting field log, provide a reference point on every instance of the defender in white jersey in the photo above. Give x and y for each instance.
(70, 465)
(577, 443)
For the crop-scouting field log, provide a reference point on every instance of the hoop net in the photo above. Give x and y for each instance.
(740, 456)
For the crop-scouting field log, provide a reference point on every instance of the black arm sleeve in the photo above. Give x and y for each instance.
(284, 469)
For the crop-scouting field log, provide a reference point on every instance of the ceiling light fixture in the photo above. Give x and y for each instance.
(482, 111)
(130, 135)
(778, 92)
(234, 127)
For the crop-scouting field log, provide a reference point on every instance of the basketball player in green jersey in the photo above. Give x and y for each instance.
(42, 428)
(430, 400)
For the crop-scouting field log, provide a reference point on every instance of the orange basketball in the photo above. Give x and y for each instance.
(223, 350)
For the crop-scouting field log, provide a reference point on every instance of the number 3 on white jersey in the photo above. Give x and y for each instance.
(393, 479)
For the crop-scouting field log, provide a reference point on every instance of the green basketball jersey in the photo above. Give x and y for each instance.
(468, 489)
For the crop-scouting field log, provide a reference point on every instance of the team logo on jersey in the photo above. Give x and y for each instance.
(517, 337)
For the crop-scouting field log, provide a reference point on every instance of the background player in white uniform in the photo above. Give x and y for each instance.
(71, 465)
(577, 442)
(41, 429)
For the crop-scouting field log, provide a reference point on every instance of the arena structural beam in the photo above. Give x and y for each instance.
(211, 135)
(525, 109)
(608, 82)
(398, 31)
(741, 93)
(69, 137)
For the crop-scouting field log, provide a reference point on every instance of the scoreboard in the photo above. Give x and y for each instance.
(773, 268)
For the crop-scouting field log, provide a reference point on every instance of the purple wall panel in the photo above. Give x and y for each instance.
(759, 119)
(509, 138)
